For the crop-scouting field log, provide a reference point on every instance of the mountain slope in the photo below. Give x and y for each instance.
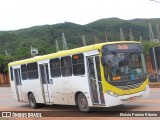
(18, 42)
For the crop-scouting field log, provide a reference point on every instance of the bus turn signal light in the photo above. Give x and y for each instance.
(116, 78)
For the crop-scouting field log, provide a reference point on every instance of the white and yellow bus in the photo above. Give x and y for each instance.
(100, 75)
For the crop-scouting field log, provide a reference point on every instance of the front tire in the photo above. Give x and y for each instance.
(83, 103)
(32, 101)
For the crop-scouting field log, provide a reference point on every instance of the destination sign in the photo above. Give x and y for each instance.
(127, 47)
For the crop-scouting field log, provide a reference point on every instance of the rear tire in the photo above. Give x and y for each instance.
(32, 101)
(83, 103)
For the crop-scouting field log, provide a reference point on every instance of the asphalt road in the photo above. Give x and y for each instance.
(151, 104)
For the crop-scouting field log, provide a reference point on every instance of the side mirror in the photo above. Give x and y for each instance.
(103, 62)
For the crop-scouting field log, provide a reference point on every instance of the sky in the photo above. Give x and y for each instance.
(18, 14)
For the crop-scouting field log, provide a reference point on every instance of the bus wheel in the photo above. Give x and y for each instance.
(83, 103)
(32, 101)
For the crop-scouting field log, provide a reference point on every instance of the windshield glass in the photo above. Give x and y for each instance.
(124, 66)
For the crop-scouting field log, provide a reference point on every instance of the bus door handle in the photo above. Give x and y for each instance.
(51, 81)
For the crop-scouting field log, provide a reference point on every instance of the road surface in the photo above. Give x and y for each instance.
(61, 112)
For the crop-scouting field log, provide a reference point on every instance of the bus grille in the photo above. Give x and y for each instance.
(131, 86)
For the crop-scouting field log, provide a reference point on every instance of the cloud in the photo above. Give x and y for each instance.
(16, 14)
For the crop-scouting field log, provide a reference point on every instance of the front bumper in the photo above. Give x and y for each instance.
(112, 100)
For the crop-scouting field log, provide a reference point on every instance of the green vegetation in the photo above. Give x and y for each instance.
(147, 45)
(17, 43)
(4, 60)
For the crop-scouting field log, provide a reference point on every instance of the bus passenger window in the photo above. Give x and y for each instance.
(55, 67)
(24, 72)
(78, 64)
(66, 66)
(32, 70)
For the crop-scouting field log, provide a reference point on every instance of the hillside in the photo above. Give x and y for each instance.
(17, 43)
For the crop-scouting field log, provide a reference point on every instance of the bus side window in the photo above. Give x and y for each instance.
(32, 70)
(11, 73)
(24, 72)
(78, 64)
(66, 66)
(55, 67)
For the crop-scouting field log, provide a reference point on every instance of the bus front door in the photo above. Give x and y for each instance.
(18, 83)
(95, 80)
(45, 81)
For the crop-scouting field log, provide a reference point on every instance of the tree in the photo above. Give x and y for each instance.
(4, 60)
(148, 44)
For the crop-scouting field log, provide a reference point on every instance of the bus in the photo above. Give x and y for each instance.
(100, 75)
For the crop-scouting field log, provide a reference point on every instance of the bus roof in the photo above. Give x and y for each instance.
(67, 52)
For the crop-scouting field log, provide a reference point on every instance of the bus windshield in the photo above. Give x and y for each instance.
(124, 65)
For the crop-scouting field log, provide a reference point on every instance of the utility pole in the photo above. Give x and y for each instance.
(6, 52)
(121, 35)
(158, 33)
(141, 39)
(64, 42)
(131, 35)
(84, 40)
(96, 39)
(57, 46)
(106, 36)
(151, 35)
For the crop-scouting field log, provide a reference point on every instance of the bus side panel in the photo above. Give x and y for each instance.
(77, 84)
(14, 90)
(33, 86)
(24, 90)
(63, 89)
(57, 93)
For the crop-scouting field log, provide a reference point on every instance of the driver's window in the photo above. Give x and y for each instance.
(135, 61)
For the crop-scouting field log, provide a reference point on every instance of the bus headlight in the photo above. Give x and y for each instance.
(111, 93)
(146, 88)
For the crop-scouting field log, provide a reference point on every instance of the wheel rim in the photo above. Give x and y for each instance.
(31, 101)
(83, 103)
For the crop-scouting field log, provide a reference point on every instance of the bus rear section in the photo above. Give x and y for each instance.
(15, 82)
